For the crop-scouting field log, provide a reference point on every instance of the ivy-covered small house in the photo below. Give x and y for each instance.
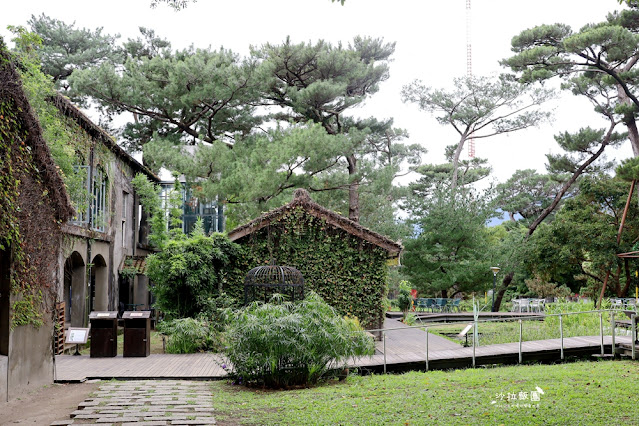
(33, 206)
(340, 260)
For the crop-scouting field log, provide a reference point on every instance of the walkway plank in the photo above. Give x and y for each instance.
(407, 349)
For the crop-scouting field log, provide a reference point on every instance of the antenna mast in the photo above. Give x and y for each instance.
(469, 67)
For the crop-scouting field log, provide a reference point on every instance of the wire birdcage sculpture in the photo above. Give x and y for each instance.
(263, 282)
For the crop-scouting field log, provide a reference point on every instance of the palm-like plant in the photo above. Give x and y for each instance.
(281, 344)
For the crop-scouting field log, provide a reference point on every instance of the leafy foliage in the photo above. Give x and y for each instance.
(480, 107)
(150, 200)
(188, 272)
(544, 289)
(596, 61)
(319, 83)
(404, 298)
(63, 137)
(29, 225)
(629, 169)
(527, 193)
(345, 271)
(580, 245)
(449, 254)
(66, 48)
(189, 335)
(281, 344)
(182, 96)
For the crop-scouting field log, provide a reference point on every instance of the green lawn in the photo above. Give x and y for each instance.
(576, 322)
(573, 393)
(495, 332)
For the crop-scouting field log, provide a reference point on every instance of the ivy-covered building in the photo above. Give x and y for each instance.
(341, 260)
(34, 204)
(101, 263)
(72, 231)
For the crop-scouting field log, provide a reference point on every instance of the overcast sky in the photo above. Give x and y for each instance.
(431, 46)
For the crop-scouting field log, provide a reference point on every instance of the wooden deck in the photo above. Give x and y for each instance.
(506, 353)
(405, 350)
(204, 366)
(402, 339)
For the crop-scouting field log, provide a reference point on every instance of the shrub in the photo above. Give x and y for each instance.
(189, 335)
(281, 344)
(190, 271)
(410, 319)
(545, 289)
(404, 298)
(218, 311)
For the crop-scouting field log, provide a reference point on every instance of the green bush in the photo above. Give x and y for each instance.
(404, 298)
(189, 335)
(218, 311)
(281, 344)
(189, 272)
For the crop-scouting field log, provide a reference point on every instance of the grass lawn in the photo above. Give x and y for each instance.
(602, 392)
(578, 323)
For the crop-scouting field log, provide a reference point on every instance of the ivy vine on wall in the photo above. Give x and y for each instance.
(31, 207)
(350, 274)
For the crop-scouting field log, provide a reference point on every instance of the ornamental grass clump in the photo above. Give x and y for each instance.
(282, 344)
(189, 335)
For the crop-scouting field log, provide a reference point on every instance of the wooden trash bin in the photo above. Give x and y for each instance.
(137, 333)
(104, 334)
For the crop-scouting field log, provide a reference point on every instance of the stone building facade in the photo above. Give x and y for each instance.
(104, 247)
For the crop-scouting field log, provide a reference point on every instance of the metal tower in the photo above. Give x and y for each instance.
(469, 66)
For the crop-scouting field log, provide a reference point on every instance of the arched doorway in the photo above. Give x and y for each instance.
(99, 299)
(74, 279)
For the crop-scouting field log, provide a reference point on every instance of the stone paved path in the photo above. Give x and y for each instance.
(146, 402)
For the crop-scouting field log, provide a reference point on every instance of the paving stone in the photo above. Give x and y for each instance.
(193, 406)
(124, 404)
(148, 402)
(154, 418)
(76, 412)
(61, 422)
(153, 423)
(92, 424)
(197, 421)
(95, 416)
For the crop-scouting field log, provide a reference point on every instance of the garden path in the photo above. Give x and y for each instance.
(405, 349)
(401, 338)
(71, 368)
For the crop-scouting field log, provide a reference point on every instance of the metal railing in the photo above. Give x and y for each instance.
(476, 322)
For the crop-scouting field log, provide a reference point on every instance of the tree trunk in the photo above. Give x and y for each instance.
(617, 279)
(353, 189)
(629, 121)
(570, 181)
(502, 289)
(624, 291)
(456, 156)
